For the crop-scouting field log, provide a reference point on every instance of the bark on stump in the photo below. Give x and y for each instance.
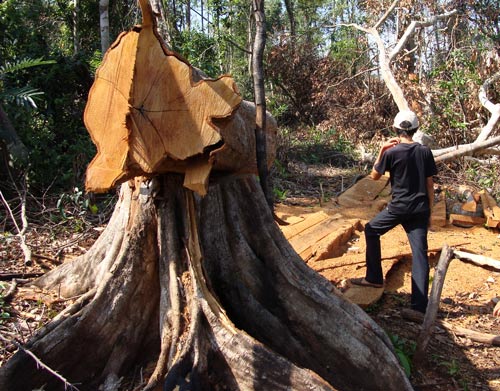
(209, 292)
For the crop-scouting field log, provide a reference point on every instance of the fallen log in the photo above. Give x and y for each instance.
(473, 335)
(477, 259)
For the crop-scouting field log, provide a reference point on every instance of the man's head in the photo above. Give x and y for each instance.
(406, 123)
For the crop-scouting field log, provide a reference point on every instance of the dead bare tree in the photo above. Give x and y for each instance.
(386, 58)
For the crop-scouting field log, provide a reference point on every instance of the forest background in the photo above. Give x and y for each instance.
(323, 83)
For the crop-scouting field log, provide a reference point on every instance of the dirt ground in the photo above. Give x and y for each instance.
(469, 293)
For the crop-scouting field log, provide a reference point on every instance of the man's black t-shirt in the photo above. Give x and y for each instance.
(409, 166)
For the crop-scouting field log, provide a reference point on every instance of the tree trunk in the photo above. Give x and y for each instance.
(76, 30)
(260, 97)
(14, 148)
(291, 17)
(190, 287)
(104, 24)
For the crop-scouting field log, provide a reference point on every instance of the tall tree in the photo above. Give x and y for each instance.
(289, 5)
(104, 24)
(260, 97)
(76, 31)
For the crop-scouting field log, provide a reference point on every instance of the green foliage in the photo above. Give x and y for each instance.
(452, 367)
(319, 146)
(457, 83)
(404, 350)
(483, 175)
(277, 108)
(24, 95)
(75, 204)
(4, 308)
(280, 194)
(60, 147)
(200, 50)
(59, 144)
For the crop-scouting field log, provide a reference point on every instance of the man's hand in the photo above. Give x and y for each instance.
(392, 142)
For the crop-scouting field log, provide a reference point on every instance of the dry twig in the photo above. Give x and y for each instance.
(20, 232)
(40, 364)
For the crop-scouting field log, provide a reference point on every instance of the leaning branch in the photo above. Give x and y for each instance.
(465, 149)
(432, 309)
(494, 109)
(384, 17)
(385, 58)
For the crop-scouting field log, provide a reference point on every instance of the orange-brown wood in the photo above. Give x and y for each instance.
(148, 114)
(490, 209)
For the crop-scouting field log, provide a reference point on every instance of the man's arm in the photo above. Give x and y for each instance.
(496, 310)
(388, 144)
(429, 182)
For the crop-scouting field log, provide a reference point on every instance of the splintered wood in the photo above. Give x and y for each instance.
(490, 209)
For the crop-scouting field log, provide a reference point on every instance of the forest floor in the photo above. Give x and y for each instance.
(453, 362)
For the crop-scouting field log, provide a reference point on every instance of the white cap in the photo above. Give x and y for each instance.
(406, 120)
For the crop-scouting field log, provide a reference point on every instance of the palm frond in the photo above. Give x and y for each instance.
(23, 96)
(10, 67)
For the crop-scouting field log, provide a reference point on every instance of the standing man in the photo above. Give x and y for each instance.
(411, 167)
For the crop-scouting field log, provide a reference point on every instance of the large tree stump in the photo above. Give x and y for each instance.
(210, 293)
(200, 293)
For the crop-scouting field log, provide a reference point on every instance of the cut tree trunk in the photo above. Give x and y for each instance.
(191, 292)
(187, 290)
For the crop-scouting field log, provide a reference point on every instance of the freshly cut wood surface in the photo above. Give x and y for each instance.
(149, 112)
(466, 221)
(308, 221)
(364, 192)
(490, 209)
(438, 216)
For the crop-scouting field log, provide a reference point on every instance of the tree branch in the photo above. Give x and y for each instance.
(20, 232)
(463, 150)
(410, 30)
(432, 309)
(40, 364)
(386, 15)
(494, 109)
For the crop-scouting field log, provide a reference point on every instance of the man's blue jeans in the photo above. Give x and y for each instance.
(415, 226)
